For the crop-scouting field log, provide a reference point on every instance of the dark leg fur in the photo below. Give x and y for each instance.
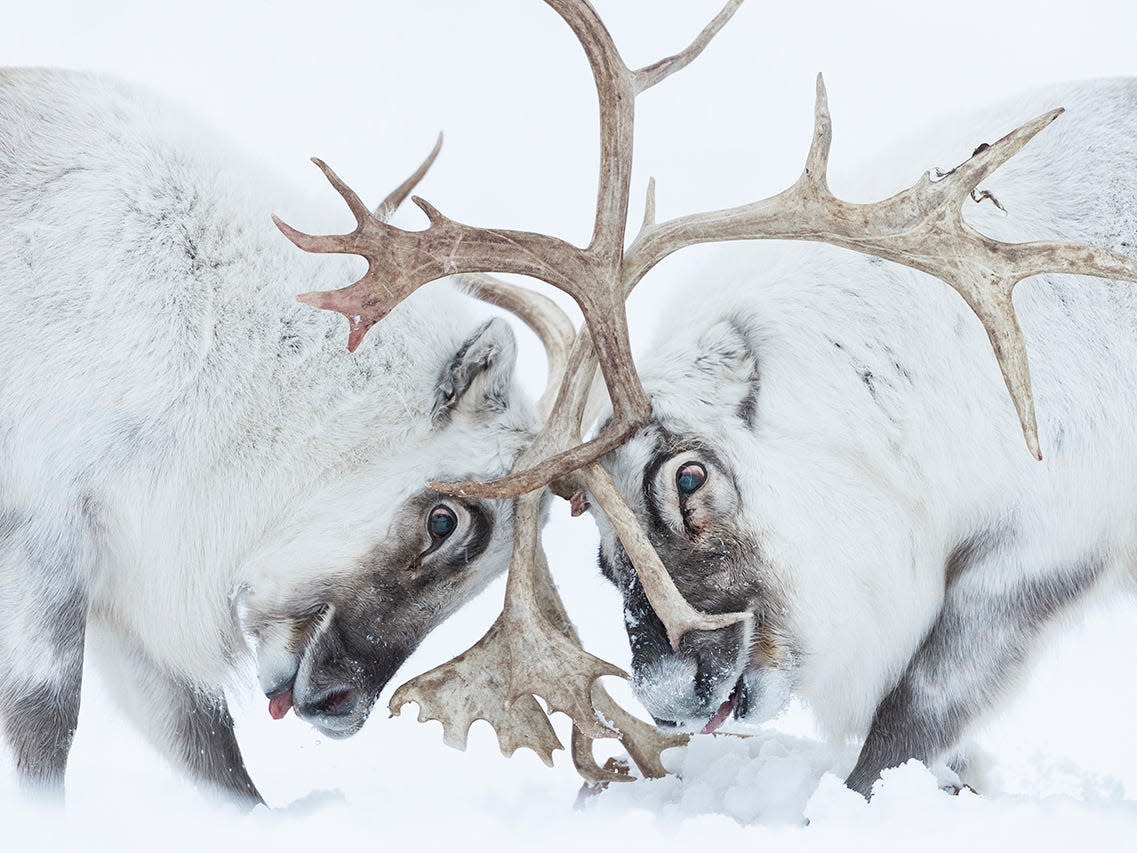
(977, 644)
(192, 728)
(39, 719)
(205, 742)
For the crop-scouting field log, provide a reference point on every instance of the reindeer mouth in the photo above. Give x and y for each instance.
(280, 699)
(737, 704)
(280, 702)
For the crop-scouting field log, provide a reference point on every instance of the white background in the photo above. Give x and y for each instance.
(367, 85)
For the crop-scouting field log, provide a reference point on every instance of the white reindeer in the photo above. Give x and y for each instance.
(832, 449)
(189, 457)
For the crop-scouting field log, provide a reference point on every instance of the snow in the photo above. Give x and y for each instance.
(367, 86)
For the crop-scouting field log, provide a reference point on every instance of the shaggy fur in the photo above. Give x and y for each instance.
(182, 444)
(870, 496)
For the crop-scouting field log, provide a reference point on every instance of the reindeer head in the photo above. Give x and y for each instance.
(684, 476)
(368, 561)
(532, 649)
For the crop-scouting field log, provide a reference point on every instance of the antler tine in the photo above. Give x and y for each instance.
(354, 202)
(664, 68)
(921, 227)
(401, 261)
(615, 92)
(398, 195)
(596, 400)
(676, 614)
(532, 648)
(817, 161)
(541, 314)
(649, 206)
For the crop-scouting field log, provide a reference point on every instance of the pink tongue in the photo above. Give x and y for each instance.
(721, 716)
(279, 705)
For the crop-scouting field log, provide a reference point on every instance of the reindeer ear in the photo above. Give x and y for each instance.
(476, 380)
(727, 358)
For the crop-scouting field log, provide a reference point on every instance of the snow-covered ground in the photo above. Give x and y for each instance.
(367, 85)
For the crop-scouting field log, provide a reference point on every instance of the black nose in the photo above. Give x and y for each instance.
(335, 702)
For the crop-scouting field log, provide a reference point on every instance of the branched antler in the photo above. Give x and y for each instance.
(532, 649)
(400, 261)
(921, 227)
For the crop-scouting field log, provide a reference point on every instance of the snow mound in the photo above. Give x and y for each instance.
(767, 778)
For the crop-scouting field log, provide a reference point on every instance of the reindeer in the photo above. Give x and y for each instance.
(781, 506)
(830, 451)
(188, 459)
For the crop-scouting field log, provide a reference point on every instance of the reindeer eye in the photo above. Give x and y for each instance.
(441, 522)
(690, 478)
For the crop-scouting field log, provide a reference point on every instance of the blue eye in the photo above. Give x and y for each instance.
(690, 478)
(441, 522)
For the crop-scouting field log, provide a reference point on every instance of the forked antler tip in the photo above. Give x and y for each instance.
(545, 753)
(396, 197)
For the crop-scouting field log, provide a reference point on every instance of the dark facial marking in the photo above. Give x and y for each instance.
(477, 538)
(667, 447)
(646, 633)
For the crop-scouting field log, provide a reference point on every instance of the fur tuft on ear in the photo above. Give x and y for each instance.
(476, 380)
(727, 358)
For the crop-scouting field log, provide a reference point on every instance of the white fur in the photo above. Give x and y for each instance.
(856, 503)
(157, 372)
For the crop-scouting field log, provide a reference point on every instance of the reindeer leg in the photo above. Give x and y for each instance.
(972, 652)
(42, 630)
(40, 712)
(191, 727)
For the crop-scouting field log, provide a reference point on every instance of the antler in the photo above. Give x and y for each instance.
(532, 648)
(400, 261)
(921, 227)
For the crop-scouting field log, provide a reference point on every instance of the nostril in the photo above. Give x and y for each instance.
(706, 682)
(337, 703)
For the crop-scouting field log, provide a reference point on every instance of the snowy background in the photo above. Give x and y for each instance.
(367, 85)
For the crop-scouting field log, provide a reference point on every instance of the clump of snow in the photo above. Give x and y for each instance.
(768, 778)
